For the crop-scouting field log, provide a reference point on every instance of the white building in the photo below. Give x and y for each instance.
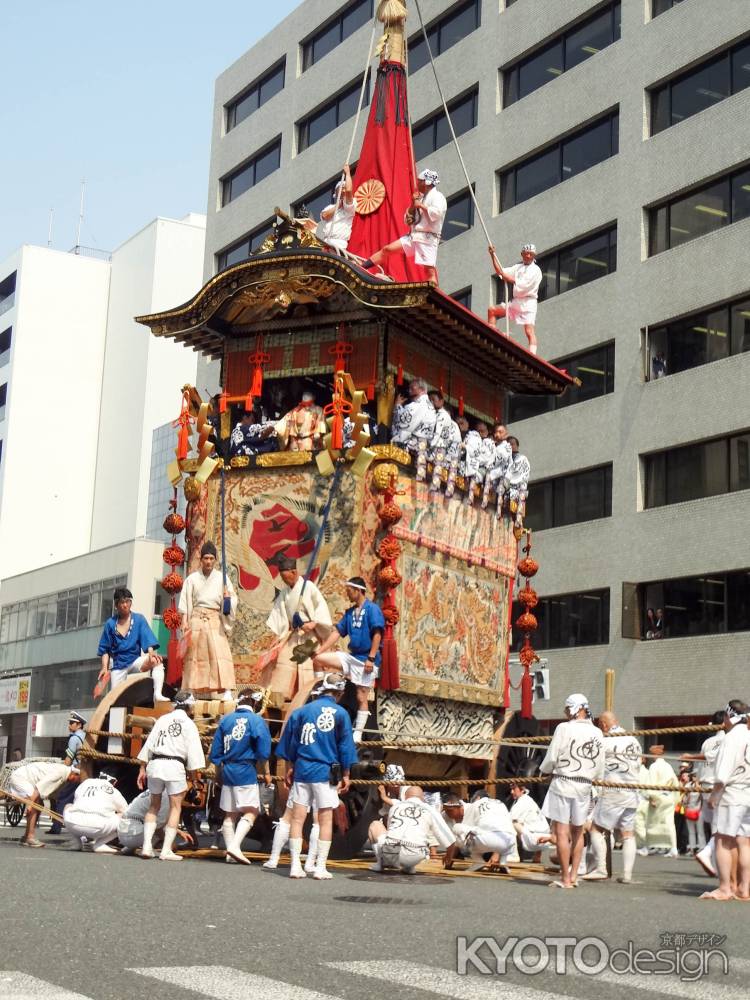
(84, 391)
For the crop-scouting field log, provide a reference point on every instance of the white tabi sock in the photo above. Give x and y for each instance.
(359, 724)
(628, 856)
(599, 850)
(170, 832)
(227, 832)
(324, 847)
(280, 837)
(244, 824)
(157, 677)
(312, 848)
(149, 829)
(295, 849)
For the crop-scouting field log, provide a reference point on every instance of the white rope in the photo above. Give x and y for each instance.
(460, 155)
(362, 91)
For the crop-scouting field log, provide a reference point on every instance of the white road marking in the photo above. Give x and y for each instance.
(443, 982)
(19, 986)
(673, 986)
(223, 983)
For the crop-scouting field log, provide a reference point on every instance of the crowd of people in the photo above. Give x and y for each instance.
(574, 820)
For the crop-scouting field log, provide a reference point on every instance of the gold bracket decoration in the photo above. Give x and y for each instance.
(206, 464)
(359, 453)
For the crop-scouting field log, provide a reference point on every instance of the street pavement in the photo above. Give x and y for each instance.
(78, 926)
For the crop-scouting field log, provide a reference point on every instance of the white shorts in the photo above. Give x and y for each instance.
(393, 854)
(118, 676)
(93, 826)
(522, 311)
(491, 842)
(611, 814)
(354, 669)
(166, 776)
(314, 794)
(16, 786)
(733, 821)
(236, 798)
(564, 810)
(420, 253)
(530, 840)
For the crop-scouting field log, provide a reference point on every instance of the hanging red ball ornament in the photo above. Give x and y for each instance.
(171, 618)
(528, 567)
(172, 583)
(528, 596)
(390, 513)
(392, 616)
(389, 577)
(527, 622)
(173, 555)
(174, 524)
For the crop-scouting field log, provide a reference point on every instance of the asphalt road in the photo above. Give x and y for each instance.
(80, 924)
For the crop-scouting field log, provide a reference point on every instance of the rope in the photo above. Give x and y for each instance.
(362, 92)
(30, 804)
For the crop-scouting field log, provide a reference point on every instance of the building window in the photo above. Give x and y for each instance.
(257, 94)
(569, 620)
(463, 297)
(699, 212)
(5, 340)
(335, 31)
(3, 400)
(570, 499)
(433, 132)
(7, 293)
(661, 6)
(329, 116)
(243, 248)
(80, 607)
(563, 52)
(251, 173)
(576, 264)
(314, 202)
(444, 33)
(559, 162)
(596, 370)
(700, 88)
(696, 605)
(714, 333)
(695, 471)
(460, 215)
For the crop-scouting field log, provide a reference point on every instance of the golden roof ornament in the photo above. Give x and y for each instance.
(392, 46)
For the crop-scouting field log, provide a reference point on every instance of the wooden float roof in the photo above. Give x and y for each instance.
(296, 289)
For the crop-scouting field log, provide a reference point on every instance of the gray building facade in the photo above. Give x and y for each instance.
(615, 136)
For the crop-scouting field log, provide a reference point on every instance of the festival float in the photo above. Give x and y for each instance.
(299, 316)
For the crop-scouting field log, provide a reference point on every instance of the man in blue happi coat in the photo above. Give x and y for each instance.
(242, 740)
(317, 743)
(128, 646)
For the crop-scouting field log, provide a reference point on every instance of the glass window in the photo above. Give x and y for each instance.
(316, 200)
(433, 132)
(271, 85)
(701, 89)
(739, 462)
(243, 248)
(540, 68)
(459, 217)
(318, 125)
(570, 499)
(740, 67)
(444, 33)
(585, 262)
(589, 148)
(699, 213)
(740, 337)
(584, 42)
(571, 620)
(325, 42)
(660, 6)
(463, 296)
(5, 341)
(738, 601)
(741, 196)
(344, 24)
(252, 173)
(596, 370)
(353, 18)
(267, 162)
(537, 175)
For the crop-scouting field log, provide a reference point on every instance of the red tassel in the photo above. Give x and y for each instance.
(337, 431)
(506, 686)
(223, 403)
(174, 662)
(400, 375)
(390, 679)
(256, 386)
(527, 694)
(370, 392)
(460, 406)
(183, 441)
(249, 402)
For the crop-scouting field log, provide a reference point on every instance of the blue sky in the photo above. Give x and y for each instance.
(118, 94)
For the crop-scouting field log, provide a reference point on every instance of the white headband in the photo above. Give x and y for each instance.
(328, 683)
(356, 586)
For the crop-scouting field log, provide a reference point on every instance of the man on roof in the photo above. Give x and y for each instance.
(526, 278)
(425, 219)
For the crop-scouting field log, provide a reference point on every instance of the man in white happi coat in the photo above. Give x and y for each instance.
(706, 776)
(445, 448)
(730, 799)
(479, 455)
(299, 615)
(661, 833)
(575, 759)
(526, 278)
(95, 812)
(481, 827)
(528, 821)
(36, 781)
(336, 220)
(172, 751)
(403, 841)
(130, 825)
(501, 460)
(514, 484)
(413, 424)
(425, 217)
(616, 807)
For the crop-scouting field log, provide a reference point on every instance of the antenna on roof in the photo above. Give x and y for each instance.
(49, 229)
(80, 218)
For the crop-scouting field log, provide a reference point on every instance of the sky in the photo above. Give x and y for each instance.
(119, 95)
